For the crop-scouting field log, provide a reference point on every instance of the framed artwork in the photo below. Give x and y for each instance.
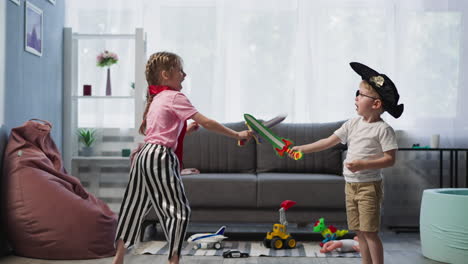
(33, 29)
(18, 2)
(52, 2)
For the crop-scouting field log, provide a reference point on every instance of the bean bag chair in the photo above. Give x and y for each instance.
(48, 213)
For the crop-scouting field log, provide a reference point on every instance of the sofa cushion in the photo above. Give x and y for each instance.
(221, 190)
(308, 190)
(328, 161)
(211, 152)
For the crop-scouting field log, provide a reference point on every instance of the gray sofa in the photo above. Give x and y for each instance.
(247, 184)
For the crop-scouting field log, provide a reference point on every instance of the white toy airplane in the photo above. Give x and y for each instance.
(208, 240)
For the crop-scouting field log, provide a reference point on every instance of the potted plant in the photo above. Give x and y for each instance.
(87, 137)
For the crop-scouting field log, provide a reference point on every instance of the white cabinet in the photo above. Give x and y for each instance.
(116, 117)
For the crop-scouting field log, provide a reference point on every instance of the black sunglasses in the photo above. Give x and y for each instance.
(358, 93)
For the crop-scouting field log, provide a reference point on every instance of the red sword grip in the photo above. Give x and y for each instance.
(297, 155)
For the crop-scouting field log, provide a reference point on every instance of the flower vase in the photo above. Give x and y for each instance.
(108, 83)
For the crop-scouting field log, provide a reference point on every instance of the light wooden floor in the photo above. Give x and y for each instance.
(399, 249)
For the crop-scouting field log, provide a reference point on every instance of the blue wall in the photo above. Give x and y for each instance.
(3, 245)
(34, 84)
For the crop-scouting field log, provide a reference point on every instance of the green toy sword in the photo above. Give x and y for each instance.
(281, 145)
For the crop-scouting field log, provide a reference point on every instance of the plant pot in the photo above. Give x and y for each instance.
(87, 151)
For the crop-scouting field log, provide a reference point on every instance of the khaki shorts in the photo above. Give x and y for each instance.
(363, 201)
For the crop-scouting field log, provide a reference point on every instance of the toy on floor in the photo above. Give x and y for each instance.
(270, 123)
(281, 145)
(208, 240)
(235, 254)
(279, 238)
(343, 245)
(328, 233)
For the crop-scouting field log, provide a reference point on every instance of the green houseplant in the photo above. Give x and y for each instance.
(87, 136)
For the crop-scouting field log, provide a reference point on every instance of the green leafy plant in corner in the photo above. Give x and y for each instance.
(87, 136)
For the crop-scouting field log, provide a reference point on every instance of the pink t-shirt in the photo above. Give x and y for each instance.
(166, 117)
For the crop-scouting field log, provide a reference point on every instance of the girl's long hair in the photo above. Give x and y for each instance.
(158, 62)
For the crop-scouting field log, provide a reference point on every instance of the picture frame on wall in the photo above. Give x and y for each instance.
(52, 1)
(17, 2)
(33, 21)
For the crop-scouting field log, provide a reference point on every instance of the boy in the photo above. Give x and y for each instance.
(371, 146)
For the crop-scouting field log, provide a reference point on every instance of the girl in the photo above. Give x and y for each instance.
(155, 182)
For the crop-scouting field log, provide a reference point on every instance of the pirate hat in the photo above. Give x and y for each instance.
(383, 86)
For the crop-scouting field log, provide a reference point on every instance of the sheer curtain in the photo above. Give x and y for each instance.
(269, 57)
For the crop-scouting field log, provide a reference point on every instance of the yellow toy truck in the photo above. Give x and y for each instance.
(279, 238)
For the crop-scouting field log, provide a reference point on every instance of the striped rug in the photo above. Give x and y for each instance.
(255, 249)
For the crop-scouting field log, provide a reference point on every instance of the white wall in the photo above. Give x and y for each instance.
(2, 60)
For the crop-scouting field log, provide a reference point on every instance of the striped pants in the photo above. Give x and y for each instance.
(155, 183)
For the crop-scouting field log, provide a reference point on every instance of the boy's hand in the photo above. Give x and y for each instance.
(295, 149)
(356, 165)
(246, 134)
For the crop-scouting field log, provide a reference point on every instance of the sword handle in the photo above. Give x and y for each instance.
(296, 155)
(241, 142)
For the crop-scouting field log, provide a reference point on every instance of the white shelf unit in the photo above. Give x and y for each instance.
(103, 97)
(73, 98)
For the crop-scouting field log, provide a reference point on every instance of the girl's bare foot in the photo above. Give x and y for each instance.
(119, 255)
(174, 260)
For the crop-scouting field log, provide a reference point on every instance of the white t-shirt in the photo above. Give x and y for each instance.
(366, 141)
(348, 245)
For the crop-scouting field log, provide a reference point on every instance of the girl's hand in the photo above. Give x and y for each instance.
(189, 171)
(246, 134)
(135, 151)
(192, 127)
(356, 165)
